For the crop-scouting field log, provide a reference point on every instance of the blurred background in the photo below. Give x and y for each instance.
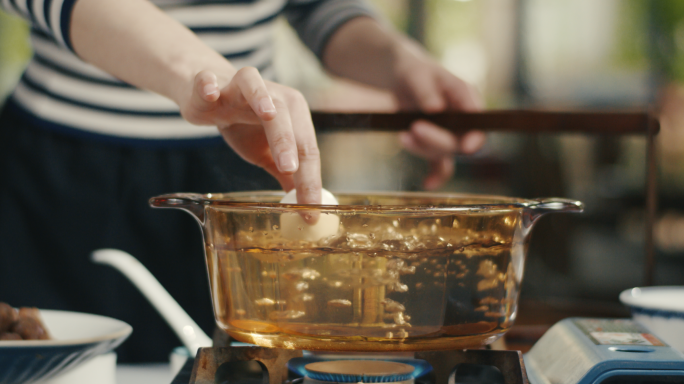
(544, 54)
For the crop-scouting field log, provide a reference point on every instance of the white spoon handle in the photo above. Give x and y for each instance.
(187, 330)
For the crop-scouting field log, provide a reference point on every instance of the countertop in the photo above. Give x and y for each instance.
(158, 373)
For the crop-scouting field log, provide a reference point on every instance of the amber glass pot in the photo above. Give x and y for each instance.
(381, 272)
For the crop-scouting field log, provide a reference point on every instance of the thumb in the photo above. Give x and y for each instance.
(205, 92)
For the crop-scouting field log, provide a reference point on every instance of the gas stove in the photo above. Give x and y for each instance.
(259, 365)
(574, 351)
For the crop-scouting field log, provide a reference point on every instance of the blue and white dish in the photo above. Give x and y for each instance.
(660, 309)
(76, 338)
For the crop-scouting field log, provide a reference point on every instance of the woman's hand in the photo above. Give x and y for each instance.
(425, 85)
(367, 51)
(267, 124)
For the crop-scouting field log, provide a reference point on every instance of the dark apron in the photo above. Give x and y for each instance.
(63, 196)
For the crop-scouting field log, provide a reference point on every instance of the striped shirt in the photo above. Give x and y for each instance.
(60, 91)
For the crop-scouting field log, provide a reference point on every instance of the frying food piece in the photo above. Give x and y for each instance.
(8, 316)
(29, 312)
(9, 336)
(30, 329)
(24, 324)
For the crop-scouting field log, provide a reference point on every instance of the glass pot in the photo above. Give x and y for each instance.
(379, 272)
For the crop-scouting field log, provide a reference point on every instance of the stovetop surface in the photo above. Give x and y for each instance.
(231, 366)
(183, 376)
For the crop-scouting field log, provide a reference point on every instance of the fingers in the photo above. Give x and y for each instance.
(276, 120)
(292, 140)
(426, 93)
(205, 94)
(254, 90)
(435, 89)
(206, 90)
(286, 181)
(472, 142)
(286, 147)
(281, 140)
(441, 170)
(429, 140)
(412, 145)
(251, 144)
(438, 145)
(460, 95)
(308, 178)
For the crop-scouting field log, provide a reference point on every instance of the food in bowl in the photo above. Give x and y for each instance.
(24, 324)
(403, 271)
(76, 339)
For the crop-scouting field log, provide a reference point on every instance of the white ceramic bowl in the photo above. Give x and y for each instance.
(660, 309)
(77, 338)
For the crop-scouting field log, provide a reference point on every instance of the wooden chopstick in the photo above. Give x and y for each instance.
(526, 121)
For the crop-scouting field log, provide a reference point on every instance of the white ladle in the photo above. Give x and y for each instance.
(187, 330)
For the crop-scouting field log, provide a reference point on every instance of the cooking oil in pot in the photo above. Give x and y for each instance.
(391, 285)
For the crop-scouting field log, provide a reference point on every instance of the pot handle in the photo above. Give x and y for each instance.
(193, 203)
(539, 207)
(555, 204)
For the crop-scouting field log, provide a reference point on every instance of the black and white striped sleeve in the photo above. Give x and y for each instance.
(317, 20)
(51, 16)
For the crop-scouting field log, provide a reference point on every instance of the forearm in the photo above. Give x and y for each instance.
(367, 51)
(136, 42)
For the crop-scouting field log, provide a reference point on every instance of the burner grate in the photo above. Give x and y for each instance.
(273, 362)
(509, 363)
